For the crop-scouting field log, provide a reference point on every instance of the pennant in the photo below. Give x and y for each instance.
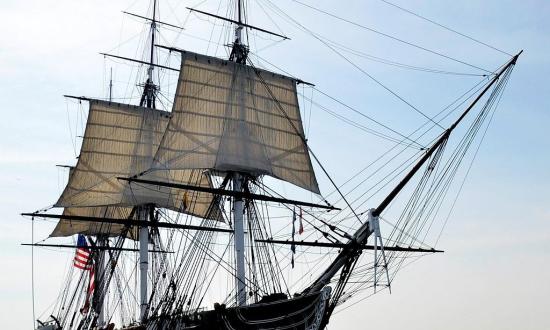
(185, 201)
(293, 247)
(301, 227)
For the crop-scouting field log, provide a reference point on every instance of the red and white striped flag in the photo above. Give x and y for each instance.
(82, 256)
(83, 260)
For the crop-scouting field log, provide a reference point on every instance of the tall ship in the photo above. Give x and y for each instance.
(175, 220)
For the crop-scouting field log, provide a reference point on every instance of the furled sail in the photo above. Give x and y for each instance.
(120, 141)
(70, 227)
(232, 117)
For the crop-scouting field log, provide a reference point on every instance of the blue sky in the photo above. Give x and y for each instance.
(495, 269)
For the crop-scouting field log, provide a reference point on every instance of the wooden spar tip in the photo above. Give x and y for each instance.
(343, 245)
(117, 104)
(81, 98)
(239, 23)
(140, 61)
(514, 60)
(127, 222)
(64, 166)
(102, 248)
(153, 20)
(171, 49)
(179, 50)
(235, 194)
(299, 81)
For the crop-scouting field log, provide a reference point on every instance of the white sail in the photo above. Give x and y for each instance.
(229, 117)
(120, 141)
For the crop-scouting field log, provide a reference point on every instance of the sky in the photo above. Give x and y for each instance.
(494, 272)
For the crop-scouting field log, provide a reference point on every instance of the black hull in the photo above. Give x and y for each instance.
(304, 312)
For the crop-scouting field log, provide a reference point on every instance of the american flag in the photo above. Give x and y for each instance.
(82, 256)
(82, 260)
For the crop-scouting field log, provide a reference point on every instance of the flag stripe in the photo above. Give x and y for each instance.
(82, 253)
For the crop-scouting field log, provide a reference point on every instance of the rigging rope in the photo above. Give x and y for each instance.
(414, 217)
(374, 79)
(445, 27)
(472, 161)
(302, 137)
(391, 37)
(372, 131)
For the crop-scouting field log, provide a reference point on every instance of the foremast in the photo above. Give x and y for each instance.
(100, 265)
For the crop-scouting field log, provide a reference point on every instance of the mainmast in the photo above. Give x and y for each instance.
(238, 54)
(147, 100)
(238, 224)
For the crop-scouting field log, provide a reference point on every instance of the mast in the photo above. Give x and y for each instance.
(238, 223)
(239, 28)
(100, 262)
(238, 54)
(143, 262)
(101, 270)
(149, 88)
(147, 100)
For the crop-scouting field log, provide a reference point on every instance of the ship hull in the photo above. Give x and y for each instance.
(304, 312)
